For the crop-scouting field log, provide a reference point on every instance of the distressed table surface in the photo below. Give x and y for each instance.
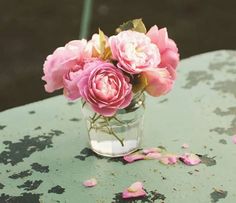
(44, 155)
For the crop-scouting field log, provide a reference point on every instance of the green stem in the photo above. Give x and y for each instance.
(113, 133)
(119, 120)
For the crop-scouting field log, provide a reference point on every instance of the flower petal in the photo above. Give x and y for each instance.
(190, 159)
(135, 190)
(151, 150)
(169, 159)
(234, 139)
(133, 157)
(185, 146)
(90, 183)
(153, 155)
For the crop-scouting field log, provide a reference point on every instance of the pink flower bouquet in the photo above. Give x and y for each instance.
(107, 73)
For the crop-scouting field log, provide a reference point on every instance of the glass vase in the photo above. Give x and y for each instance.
(118, 135)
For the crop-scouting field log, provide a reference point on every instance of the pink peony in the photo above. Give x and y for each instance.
(159, 81)
(62, 61)
(104, 87)
(167, 47)
(134, 51)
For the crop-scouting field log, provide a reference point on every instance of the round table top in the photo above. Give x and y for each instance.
(44, 154)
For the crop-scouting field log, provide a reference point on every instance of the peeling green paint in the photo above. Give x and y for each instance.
(2, 127)
(227, 86)
(222, 141)
(220, 65)
(208, 161)
(196, 77)
(232, 127)
(216, 195)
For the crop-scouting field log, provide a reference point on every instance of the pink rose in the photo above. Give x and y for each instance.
(167, 47)
(63, 60)
(104, 87)
(134, 51)
(71, 90)
(159, 81)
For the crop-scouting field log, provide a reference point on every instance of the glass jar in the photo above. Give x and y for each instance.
(118, 135)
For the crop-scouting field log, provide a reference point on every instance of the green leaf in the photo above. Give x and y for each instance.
(139, 25)
(102, 41)
(105, 52)
(135, 25)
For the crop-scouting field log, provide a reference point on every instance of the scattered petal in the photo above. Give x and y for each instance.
(190, 159)
(133, 157)
(152, 150)
(153, 155)
(169, 159)
(185, 146)
(90, 183)
(234, 139)
(135, 190)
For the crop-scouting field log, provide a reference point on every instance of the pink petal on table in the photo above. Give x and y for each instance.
(90, 183)
(151, 150)
(169, 159)
(133, 157)
(190, 159)
(153, 155)
(234, 139)
(135, 190)
(185, 146)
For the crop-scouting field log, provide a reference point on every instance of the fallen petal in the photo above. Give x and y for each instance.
(135, 190)
(151, 150)
(153, 155)
(234, 139)
(190, 159)
(185, 146)
(169, 159)
(133, 157)
(90, 183)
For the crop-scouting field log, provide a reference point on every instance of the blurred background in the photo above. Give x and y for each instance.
(31, 30)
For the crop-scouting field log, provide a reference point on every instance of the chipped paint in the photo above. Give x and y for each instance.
(216, 195)
(222, 141)
(15, 152)
(208, 161)
(40, 168)
(2, 127)
(196, 77)
(21, 174)
(220, 65)
(227, 86)
(57, 190)
(75, 119)
(1, 186)
(38, 128)
(30, 185)
(23, 198)
(232, 127)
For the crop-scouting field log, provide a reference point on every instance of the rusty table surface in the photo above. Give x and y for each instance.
(44, 154)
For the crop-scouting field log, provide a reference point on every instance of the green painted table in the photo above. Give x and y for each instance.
(44, 155)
